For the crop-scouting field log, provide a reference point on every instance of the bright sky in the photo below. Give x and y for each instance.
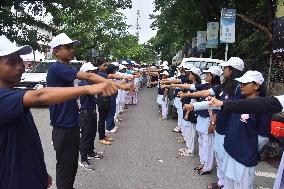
(146, 8)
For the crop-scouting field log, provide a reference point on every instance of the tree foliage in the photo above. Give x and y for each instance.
(179, 20)
(98, 24)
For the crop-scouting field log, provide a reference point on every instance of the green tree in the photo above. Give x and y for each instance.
(179, 21)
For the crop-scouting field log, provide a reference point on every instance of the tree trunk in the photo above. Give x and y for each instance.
(258, 25)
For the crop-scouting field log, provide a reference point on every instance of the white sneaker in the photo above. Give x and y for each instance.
(114, 130)
(185, 153)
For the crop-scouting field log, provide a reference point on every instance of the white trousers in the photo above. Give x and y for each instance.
(178, 106)
(183, 126)
(246, 181)
(206, 153)
(279, 181)
(220, 170)
(189, 133)
(165, 109)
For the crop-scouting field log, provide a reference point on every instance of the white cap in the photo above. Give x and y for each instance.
(187, 67)
(165, 73)
(87, 67)
(62, 39)
(251, 76)
(165, 63)
(121, 67)
(166, 67)
(215, 70)
(7, 47)
(152, 67)
(115, 64)
(196, 71)
(124, 62)
(235, 62)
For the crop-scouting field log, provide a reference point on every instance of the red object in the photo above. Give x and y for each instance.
(277, 128)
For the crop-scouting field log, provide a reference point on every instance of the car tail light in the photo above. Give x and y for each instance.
(277, 129)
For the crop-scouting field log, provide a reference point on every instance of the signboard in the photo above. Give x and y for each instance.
(212, 35)
(194, 47)
(94, 53)
(227, 30)
(278, 30)
(201, 41)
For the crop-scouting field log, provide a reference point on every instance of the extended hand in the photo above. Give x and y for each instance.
(216, 103)
(211, 128)
(106, 89)
(188, 107)
(182, 94)
(49, 181)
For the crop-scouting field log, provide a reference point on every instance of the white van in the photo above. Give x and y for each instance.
(35, 78)
(201, 63)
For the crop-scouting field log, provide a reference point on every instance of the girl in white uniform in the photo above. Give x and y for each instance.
(189, 118)
(257, 105)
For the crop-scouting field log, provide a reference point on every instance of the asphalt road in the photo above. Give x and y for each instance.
(143, 155)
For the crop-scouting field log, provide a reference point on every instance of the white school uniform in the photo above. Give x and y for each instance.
(205, 141)
(165, 108)
(178, 105)
(237, 175)
(279, 181)
(190, 136)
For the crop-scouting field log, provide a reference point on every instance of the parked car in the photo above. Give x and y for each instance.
(35, 78)
(201, 63)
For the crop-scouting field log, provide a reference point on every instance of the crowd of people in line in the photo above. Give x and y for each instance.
(233, 135)
(105, 89)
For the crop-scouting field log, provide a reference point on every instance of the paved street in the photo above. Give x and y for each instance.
(143, 155)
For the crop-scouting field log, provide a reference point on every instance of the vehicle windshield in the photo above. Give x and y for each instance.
(201, 65)
(43, 67)
(40, 68)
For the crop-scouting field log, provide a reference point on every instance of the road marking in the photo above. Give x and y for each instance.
(265, 174)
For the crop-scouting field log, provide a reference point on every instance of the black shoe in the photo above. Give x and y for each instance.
(95, 155)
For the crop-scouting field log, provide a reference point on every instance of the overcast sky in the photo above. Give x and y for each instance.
(146, 7)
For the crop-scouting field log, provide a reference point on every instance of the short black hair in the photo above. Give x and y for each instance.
(111, 69)
(101, 61)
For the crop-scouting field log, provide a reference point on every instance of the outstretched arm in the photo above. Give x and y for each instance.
(56, 95)
(256, 105)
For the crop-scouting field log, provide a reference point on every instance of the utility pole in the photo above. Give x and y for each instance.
(137, 24)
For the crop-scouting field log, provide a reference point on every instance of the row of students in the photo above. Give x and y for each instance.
(65, 119)
(239, 160)
(228, 89)
(107, 107)
(250, 85)
(65, 116)
(204, 124)
(21, 151)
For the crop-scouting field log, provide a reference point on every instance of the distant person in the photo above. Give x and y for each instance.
(64, 117)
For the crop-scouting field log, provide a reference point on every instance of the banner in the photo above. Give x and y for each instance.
(278, 30)
(212, 35)
(227, 30)
(194, 47)
(201, 41)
